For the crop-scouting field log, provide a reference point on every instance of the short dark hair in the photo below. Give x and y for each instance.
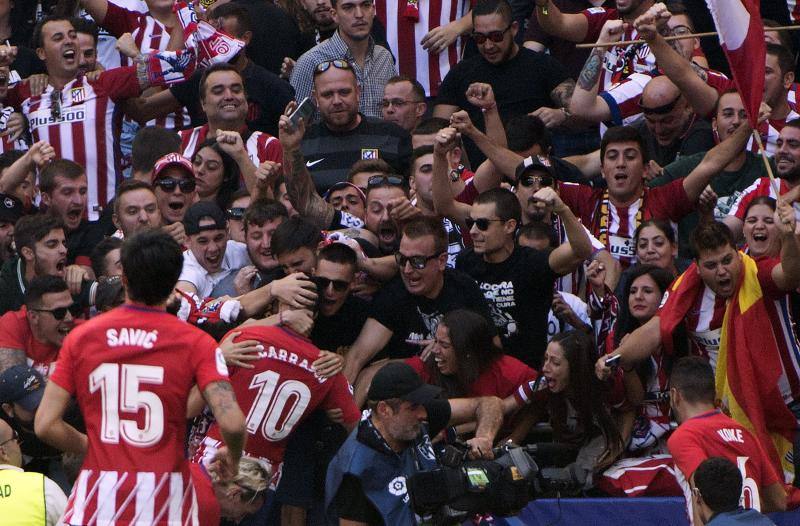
(150, 144)
(430, 125)
(221, 66)
(262, 211)
(338, 253)
(784, 56)
(693, 378)
(623, 134)
(538, 230)
(719, 482)
(525, 131)
(38, 39)
(238, 12)
(369, 165)
(151, 262)
(41, 285)
(506, 204)
(794, 123)
(783, 35)
(386, 184)
(129, 185)
(293, 234)
(99, 253)
(427, 226)
(418, 152)
(87, 27)
(31, 229)
(490, 7)
(416, 87)
(58, 168)
(9, 157)
(710, 235)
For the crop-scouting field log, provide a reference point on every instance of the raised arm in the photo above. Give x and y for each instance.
(578, 248)
(585, 101)
(443, 201)
(222, 402)
(231, 142)
(786, 274)
(299, 184)
(97, 9)
(49, 423)
(482, 95)
(572, 27)
(13, 176)
(503, 159)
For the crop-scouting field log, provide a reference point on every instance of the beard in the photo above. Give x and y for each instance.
(791, 176)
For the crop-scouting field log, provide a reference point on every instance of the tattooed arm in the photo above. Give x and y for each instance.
(585, 101)
(222, 402)
(11, 357)
(562, 93)
(299, 185)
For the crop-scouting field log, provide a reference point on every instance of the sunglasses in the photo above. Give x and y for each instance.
(168, 184)
(61, 312)
(494, 36)
(339, 285)
(417, 262)
(482, 223)
(529, 180)
(14, 436)
(322, 67)
(236, 212)
(382, 180)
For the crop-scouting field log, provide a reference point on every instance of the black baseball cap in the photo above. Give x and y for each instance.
(399, 380)
(11, 208)
(21, 385)
(204, 210)
(534, 162)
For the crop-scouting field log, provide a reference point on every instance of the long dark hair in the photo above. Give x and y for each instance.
(625, 322)
(585, 391)
(471, 337)
(231, 174)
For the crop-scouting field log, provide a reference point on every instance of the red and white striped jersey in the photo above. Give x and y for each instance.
(6, 144)
(78, 121)
(149, 35)
(760, 187)
(404, 35)
(260, 146)
(623, 98)
(131, 371)
(770, 130)
(794, 11)
(704, 325)
(618, 62)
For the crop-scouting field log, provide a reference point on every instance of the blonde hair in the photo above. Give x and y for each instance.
(253, 478)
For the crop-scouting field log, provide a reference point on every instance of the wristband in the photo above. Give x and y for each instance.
(493, 106)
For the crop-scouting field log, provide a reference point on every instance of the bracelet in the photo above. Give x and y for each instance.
(566, 112)
(493, 106)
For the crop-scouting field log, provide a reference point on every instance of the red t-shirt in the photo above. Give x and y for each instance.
(206, 498)
(15, 333)
(280, 391)
(714, 434)
(130, 371)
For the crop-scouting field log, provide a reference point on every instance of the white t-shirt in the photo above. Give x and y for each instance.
(554, 325)
(235, 258)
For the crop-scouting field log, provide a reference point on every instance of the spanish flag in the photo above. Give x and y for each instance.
(748, 365)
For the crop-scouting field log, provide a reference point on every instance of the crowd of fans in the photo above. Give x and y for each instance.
(250, 294)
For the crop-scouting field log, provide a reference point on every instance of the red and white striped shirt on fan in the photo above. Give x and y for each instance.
(404, 35)
(78, 122)
(149, 35)
(131, 371)
(260, 146)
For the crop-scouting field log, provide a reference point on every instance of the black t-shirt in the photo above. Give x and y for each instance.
(341, 329)
(329, 155)
(25, 65)
(275, 34)
(698, 138)
(519, 292)
(521, 85)
(267, 97)
(415, 318)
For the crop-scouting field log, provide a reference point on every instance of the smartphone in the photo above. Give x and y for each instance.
(304, 110)
(613, 361)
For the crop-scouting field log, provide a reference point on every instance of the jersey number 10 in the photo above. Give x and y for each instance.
(277, 407)
(119, 390)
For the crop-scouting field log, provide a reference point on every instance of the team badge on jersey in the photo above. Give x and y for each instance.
(77, 95)
(369, 153)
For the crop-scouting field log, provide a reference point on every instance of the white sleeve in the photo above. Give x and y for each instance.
(193, 272)
(578, 306)
(55, 502)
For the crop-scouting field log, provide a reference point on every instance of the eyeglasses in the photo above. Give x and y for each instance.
(397, 103)
(681, 30)
(529, 180)
(482, 223)
(417, 262)
(237, 212)
(55, 104)
(322, 67)
(339, 285)
(14, 436)
(494, 36)
(382, 180)
(168, 184)
(61, 312)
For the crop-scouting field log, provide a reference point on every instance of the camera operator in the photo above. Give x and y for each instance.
(366, 481)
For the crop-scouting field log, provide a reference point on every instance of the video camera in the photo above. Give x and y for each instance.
(458, 489)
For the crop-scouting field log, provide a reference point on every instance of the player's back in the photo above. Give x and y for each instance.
(280, 391)
(131, 371)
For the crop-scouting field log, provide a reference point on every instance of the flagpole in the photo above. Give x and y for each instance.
(772, 181)
(675, 37)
